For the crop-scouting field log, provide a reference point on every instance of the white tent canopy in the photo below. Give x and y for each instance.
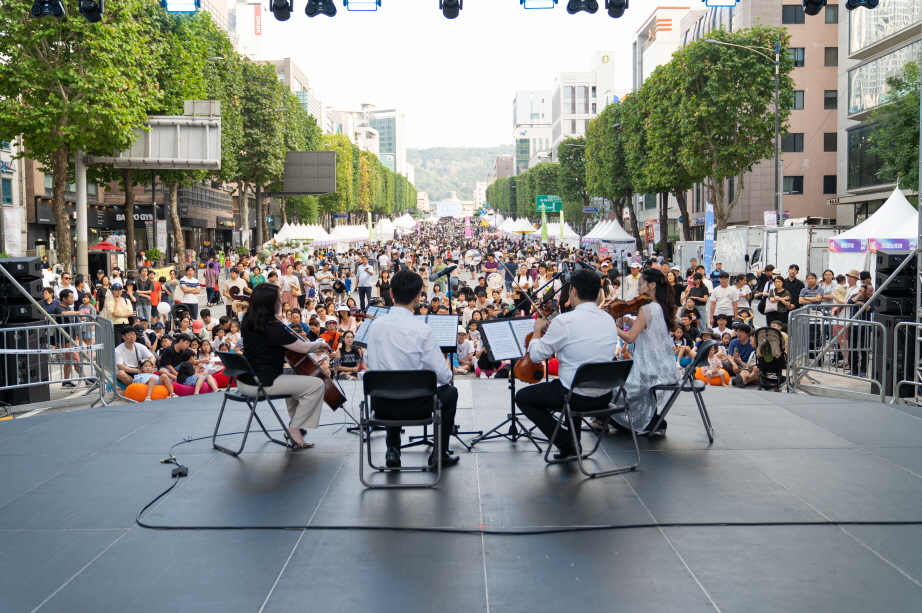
(893, 226)
(405, 221)
(521, 225)
(570, 238)
(384, 230)
(611, 233)
(596, 230)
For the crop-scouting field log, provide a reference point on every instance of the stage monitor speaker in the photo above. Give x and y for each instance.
(23, 268)
(26, 395)
(20, 313)
(11, 293)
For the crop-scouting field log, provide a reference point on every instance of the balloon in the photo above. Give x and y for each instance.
(163, 308)
(265, 253)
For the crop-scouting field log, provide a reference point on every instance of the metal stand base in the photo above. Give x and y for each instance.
(516, 429)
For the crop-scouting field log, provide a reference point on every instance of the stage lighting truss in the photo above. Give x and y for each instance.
(318, 7)
(362, 5)
(538, 4)
(55, 8)
(451, 8)
(180, 6)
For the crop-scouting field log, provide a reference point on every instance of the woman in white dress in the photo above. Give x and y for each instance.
(654, 360)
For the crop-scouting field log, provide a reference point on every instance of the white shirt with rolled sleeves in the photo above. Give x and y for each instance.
(365, 274)
(585, 335)
(399, 341)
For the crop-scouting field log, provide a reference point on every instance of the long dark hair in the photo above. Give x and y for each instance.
(264, 304)
(664, 294)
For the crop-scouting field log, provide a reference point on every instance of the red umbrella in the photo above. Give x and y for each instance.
(106, 246)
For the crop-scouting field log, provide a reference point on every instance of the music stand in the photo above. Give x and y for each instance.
(504, 339)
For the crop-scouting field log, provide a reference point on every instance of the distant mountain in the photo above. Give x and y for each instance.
(443, 169)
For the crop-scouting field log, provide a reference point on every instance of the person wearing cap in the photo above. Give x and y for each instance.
(331, 334)
(117, 308)
(198, 330)
(465, 353)
(632, 281)
(399, 341)
(129, 356)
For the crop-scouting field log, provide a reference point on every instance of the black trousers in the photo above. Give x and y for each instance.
(364, 296)
(418, 408)
(538, 401)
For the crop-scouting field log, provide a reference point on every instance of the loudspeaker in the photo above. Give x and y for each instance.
(11, 293)
(889, 260)
(896, 305)
(26, 395)
(24, 368)
(902, 284)
(20, 313)
(23, 268)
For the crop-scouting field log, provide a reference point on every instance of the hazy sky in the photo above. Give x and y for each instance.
(454, 79)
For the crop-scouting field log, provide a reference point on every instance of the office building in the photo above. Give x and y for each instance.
(480, 194)
(874, 45)
(531, 125)
(388, 124)
(294, 79)
(579, 96)
(503, 166)
(245, 26)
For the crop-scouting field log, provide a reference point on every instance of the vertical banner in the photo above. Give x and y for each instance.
(543, 227)
(709, 233)
(149, 226)
(561, 225)
(161, 235)
(371, 236)
(12, 231)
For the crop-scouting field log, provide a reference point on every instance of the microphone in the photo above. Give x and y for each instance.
(446, 271)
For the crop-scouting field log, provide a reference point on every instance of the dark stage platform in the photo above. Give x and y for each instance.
(72, 483)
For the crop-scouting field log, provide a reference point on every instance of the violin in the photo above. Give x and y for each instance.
(620, 308)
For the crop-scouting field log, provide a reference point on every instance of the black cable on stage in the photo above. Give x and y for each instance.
(177, 472)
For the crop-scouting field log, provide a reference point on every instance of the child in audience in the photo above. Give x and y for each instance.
(715, 368)
(148, 376)
(190, 373)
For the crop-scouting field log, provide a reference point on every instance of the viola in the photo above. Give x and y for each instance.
(304, 364)
(525, 370)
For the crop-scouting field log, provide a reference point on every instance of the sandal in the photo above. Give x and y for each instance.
(148, 399)
(299, 446)
(174, 395)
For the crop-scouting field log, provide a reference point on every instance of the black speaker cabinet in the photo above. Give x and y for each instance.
(20, 313)
(23, 268)
(11, 293)
(902, 284)
(895, 305)
(889, 260)
(26, 395)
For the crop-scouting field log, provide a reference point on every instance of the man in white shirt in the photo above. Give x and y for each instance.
(191, 288)
(129, 355)
(399, 341)
(631, 281)
(65, 284)
(724, 299)
(585, 335)
(242, 287)
(365, 275)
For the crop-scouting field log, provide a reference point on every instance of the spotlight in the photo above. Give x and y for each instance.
(616, 8)
(361, 5)
(575, 6)
(451, 8)
(180, 6)
(92, 10)
(55, 8)
(316, 7)
(538, 4)
(813, 7)
(282, 9)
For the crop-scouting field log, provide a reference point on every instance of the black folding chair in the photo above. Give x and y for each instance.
(234, 366)
(688, 383)
(601, 375)
(399, 385)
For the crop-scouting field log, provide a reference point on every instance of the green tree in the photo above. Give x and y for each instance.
(340, 199)
(723, 107)
(571, 182)
(76, 85)
(896, 139)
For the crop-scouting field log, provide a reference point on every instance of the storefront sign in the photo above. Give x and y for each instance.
(193, 222)
(142, 214)
(96, 217)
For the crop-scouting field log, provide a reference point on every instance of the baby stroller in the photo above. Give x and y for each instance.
(770, 358)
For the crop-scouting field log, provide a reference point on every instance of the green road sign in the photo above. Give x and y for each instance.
(548, 204)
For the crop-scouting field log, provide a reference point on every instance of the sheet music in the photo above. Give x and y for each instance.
(362, 333)
(377, 311)
(522, 327)
(445, 328)
(501, 341)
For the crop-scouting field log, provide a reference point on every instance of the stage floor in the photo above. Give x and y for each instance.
(72, 483)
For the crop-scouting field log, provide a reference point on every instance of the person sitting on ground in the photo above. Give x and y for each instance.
(739, 352)
(715, 368)
(684, 350)
(129, 355)
(465, 353)
(350, 357)
(151, 379)
(172, 357)
(191, 372)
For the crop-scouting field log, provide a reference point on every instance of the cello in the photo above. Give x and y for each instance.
(303, 364)
(525, 370)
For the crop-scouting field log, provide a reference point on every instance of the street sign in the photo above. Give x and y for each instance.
(340, 215)
(548, 204)
(590, 209)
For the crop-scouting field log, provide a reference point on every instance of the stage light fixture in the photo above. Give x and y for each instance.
(720, 3)
(55, 8)
(451, 8)
(538, 4)
(851, 5)
(92, 9)
(318, 7)
(282, 9)
(180, 6)
(616, 8)
(575, 6)
(361, 5)
(813, 7)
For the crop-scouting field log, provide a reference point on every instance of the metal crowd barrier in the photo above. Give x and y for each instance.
(907, 363)
(821, 344)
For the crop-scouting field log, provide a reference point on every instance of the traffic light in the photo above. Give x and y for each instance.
(92, 10)
(282, 9)
(450, 8)
(55, 8)
(575, 6)
(316, 7)
(851, 5)
(616, 8)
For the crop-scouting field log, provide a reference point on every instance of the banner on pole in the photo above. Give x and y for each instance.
(709, 234)
(12, 231)
(161, 235)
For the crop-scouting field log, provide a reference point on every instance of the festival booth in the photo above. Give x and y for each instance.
(569, 239)
(384, 230)
(506, 226)
(405, 223)
(610, 240)
(893, 227)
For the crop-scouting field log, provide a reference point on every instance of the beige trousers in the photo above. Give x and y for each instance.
(306, 400)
